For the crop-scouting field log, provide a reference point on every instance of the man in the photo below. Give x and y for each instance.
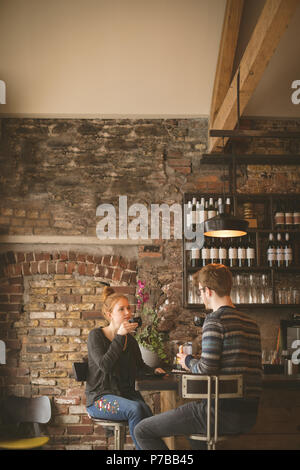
(230, 345)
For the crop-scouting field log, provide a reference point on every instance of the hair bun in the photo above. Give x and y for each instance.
(107, 291)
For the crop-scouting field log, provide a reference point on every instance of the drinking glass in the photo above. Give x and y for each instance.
(198, 320)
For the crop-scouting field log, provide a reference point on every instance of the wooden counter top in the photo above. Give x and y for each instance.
(170, 382)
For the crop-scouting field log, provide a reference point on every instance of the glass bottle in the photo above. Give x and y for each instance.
(222, 252)
(271, 251)
(233, 254)
(214, 251)
(250, 253)
(211, 209)
(288, 251)
(205, 252)
(241, 253)
(279, 251)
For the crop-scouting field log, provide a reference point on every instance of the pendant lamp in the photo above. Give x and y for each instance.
(225, 225)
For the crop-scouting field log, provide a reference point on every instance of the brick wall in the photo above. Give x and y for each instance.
(49, 303)
(54, 174)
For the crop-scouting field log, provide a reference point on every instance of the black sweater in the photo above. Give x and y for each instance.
(106, 361)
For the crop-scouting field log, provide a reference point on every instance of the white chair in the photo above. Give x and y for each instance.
(14, 411)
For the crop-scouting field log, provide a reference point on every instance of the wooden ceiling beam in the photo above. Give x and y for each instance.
(229, 38)
(265, 38)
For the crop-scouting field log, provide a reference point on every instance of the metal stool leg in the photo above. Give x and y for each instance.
(119, 437)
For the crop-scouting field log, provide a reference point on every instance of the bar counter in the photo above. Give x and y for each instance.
(278, 421)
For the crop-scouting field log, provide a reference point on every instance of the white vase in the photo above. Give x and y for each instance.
(149, 357)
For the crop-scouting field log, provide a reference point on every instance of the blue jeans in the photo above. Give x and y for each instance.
(235, 416)
(115, 408)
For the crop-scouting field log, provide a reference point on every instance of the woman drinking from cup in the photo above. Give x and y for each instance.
(114, 362)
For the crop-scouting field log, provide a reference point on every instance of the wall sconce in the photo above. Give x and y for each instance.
(2, 92)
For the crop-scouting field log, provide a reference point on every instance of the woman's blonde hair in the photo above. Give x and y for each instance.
(109, 298)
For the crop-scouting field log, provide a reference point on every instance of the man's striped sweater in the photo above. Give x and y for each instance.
(230, 345)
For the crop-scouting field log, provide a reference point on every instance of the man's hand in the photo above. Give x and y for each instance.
(181, 359)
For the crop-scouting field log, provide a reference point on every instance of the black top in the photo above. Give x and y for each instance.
(110, 369)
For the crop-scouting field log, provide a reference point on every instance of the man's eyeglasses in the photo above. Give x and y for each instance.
(200, 289)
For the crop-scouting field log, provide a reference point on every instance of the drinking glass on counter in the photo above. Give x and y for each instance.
(287, 293)
(193, 292)
(252, 288)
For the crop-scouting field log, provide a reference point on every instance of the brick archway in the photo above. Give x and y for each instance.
(48, 304)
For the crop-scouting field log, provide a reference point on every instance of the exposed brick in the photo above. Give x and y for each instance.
(71, 267)
(117, 274)
(60, 268)
(41, 332)
(68, 331)
(34, 267)
(92, 315)
(82, 269)
(183, 170)
(83, 429)
(38, 349)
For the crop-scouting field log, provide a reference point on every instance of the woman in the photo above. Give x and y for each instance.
(114, 362)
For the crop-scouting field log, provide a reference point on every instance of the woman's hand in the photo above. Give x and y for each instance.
(127, 327)
(158, 370)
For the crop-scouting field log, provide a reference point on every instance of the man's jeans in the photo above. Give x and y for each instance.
(115, 408)
(235, 416)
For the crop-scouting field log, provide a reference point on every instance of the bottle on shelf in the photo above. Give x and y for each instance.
(214, 251)
(279, 252)
(216, 207)
(250, 253)
(206, 210)
(288, 251)
(223, 255)
(205, 252)
(221, 208)
(189, 215)
(233, 254)
(228, 209)
(241, 253)
(211, 209)
(194, 214)
(202, 212)
(197, 213)
(271, 251)
(195, 257)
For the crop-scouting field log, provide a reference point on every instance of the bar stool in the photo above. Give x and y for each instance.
(118, 427)
(211, 387)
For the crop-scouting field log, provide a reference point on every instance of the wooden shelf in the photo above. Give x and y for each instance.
(248, 159)
(277, 306)
(254, 269)
(250, 133)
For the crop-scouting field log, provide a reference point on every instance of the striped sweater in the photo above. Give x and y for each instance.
(230, 345)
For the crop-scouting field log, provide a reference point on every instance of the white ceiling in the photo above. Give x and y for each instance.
(130, 58)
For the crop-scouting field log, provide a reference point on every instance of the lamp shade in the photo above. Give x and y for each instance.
(225, 226)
